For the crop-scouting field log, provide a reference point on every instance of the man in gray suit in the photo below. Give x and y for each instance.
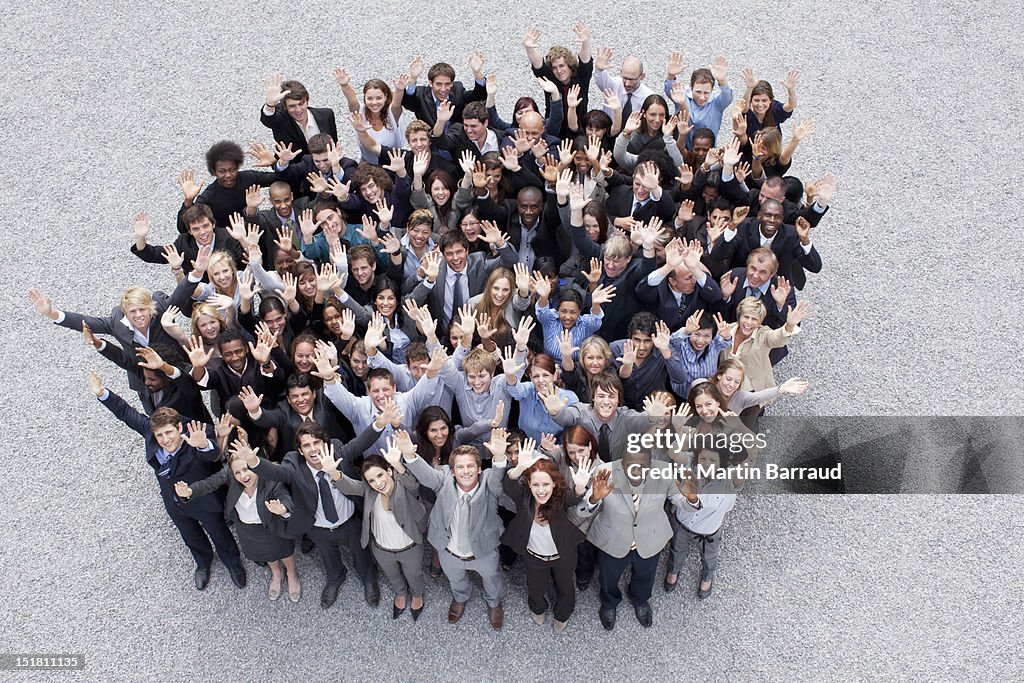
(464, 524)
(630, 529)
(446, 287)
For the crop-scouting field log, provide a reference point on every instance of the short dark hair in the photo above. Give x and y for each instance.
(475, 110)
(722, 204)
(704, 134)
(606, 380)
(441, 69)
(225, 150)
(546, 266)
(702, 76)
(164, 416)
(319, 143)
(299, 380)
(196, 213)
(379, 373)
(451, 238)
(645, 322)
(375, 460)
(416, 351)
(570, 296)
(313, 429)
(229, 335)
(297, 91)
(595, 118)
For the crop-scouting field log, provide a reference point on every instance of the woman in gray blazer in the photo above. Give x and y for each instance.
(394, 520)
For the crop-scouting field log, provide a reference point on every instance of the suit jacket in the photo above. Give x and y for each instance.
(188, 464)
(618, 524)
(224, 201)
(456, 142)
(115, 326)
(620, 203)
(227, 384)
(181, 393)
(409, 512)
(287, 421)
(294, 471)
(295, 175)
(661, 301)
(506, 215)
(189, 249)
(287, 131)
(566, 535)
(478, 268)
(734, 192)
(265, 490)
(485, 524)
(774, 318)
(697, 229)
(423, 106)
(786, 247)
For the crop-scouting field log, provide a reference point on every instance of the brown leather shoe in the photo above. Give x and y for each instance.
(455, 611)
(496, 615)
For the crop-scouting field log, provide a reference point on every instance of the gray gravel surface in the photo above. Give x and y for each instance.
(104, 103)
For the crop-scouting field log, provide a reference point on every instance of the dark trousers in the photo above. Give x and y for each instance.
(508, 556)
(539, 573)
(329, 542)
(586, 561)
(641, 584)
(194, 528)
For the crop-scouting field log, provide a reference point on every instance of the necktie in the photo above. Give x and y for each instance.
(753, 292)
(636, 509)
(330, 512)
(604, 443)
(457, 295)
(627, 108)
(464, 545)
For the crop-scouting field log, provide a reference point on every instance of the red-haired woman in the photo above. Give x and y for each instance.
(541, 531)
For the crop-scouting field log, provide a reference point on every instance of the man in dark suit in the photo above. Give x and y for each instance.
(417, 134)
(134, 323)
(239, 368)
(175, 456)
(287, 113)
(564, 69)
(679, 288)
(423, 101)
(448, 285)
(775, 188)
(760, 280)
(201, 233)
(523, 220)
(471, 135)
(303, 404)
(320, 509)
(326, 159)
(789, 243)
(639, 203)
(690, 227)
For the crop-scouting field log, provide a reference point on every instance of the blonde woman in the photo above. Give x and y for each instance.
(752, 341)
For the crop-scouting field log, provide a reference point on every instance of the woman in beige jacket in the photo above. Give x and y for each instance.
(752, 341)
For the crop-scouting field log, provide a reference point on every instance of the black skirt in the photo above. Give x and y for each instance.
(259, 545)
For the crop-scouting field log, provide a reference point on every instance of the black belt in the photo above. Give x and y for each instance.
(378, 546)
(457, 557)
(544, 558)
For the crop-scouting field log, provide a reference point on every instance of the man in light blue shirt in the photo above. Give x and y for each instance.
(705, 106)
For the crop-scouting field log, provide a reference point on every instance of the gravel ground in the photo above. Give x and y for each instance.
(105, 103)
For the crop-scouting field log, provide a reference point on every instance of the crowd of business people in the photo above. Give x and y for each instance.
(428, 357)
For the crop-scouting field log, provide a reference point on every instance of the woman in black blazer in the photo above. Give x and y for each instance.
(394, 519)
(258, 509)
(542, 532)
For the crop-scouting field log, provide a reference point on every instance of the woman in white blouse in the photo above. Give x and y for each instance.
(258, 509)
(381, 110)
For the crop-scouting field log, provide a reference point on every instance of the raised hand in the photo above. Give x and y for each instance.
(416, 68)
(261, 352)
(602, 485)
(562, 184)
(290, 288)
(392, 453)
(237, 228)
(317, 182)
(420, 164)
(731, 156)
(728, 285)
(798, 313)
(467, 321)
(498, 443)
(327, 460)
(628, 356)
(662, 338)
(553, 402)
(168, 319)
(582, 32)
(793, 386)
(276, 507)
(565, 346)
(675, 64)
(252, 197)
(190, 189)
(720, 68)
(483, 326)
(803, 230)
(182, 490)
(274, 92)
(431, 265)
(521, 335)
(390, 414)
(341, 76)
(684, 179)
(374, 338)
(603, 58)
(348, 327)
(250, 399)
(826, 188)
(657, 406)
(499, 415)
(581, 474)
(510, 159)
(151, 360)
(476, 62)
(678, 93)
(547, 85)
(739, 214)
(286, 155)
(263, 155)
(491, 85)
(803, 129)
(789, 82)
(531, 39)
(173, 257)
(724, 329)
(196, 437)
(479, 175)
(596, 271)
(142, 225)
(509, 366)
(602, 295)
(748, 78)
(95, 384)
(528, 455)
(396, 161)
(522, 277)
(741, 171)
(577, 197)
(541, 285)
(632, 124)
(445, 111)
(610, 100)
(780, 292)
(196, 355)
(325, 369)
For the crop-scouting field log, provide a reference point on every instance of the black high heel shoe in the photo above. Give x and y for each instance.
(416, 612)
(396, 611)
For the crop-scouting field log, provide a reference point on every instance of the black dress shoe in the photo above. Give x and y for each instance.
(669, 587)
(396, 611)
(416, 612)
(644, 615)
(329, 595)
(582, 584)
(371, 591)
(307, 545)
(607, 619)
(238, 577)
(202, 578)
